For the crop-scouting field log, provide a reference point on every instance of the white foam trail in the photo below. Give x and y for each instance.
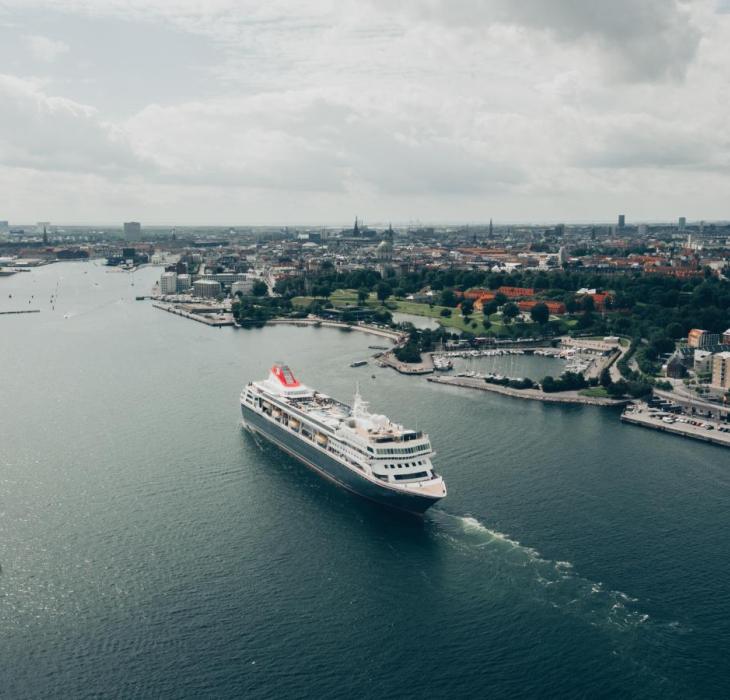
(561, 585)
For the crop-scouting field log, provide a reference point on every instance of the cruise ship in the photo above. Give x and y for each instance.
(363, 452)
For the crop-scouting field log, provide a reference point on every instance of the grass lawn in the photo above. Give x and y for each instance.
(340, 297)
(456, 320)
(343, 297)
(596, 392)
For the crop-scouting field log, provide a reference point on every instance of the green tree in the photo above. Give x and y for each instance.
(383, 291)
(260, 288)
(489, 307)
(606, 378)
(362, 294)
(500, 298)
(467, 306)
(540, 314)
(448, 298)
(510, 311)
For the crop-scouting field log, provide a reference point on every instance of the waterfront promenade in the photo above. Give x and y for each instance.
(563, 397)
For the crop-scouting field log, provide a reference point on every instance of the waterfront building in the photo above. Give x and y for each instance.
(244, 286)
(206, 288)
(702, 361)
(168, 283)
(132, 230)
(698, 338)
(721, 370)
(184, 282)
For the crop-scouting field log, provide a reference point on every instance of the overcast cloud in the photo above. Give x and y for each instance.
(233, 111)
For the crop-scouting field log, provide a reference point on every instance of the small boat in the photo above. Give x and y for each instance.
(358, 363)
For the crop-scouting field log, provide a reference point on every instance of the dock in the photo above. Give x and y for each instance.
(388, 359)
(211, 320)
(21, 311)
(641, 417)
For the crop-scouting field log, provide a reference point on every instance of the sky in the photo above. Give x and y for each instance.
(238, 112)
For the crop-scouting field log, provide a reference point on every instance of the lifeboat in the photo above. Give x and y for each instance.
(321, 439)
(294, 423)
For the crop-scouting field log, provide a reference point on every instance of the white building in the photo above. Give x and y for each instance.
(244, 286)
(168, 283)
(702, 361)
(721, 370)
(184, 282)
(206, 288)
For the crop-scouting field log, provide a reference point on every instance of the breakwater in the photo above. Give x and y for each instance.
(563, 397)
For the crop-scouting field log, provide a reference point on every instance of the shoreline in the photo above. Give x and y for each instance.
(643, 420)
(394, 336)
(566, 397)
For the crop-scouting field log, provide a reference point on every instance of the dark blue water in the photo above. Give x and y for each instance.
(149, 547)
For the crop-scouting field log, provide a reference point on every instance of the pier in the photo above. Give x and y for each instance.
(21, 311)
(425, 366)
(214, 321)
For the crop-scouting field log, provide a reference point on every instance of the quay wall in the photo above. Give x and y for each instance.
(683, 430)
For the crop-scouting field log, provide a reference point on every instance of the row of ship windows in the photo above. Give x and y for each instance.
(404, 465)
(403, 451)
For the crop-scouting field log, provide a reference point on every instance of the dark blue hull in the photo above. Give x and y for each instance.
(331, 469)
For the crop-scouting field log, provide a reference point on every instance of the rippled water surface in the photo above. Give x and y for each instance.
(149, 547)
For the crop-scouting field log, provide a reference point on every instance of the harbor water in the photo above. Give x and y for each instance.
(149, 547)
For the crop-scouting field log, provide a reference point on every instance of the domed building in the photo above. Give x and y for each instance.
(384, 252)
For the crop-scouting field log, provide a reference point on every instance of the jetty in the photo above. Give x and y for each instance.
(20, 311)
(425, 366)
(215, 320)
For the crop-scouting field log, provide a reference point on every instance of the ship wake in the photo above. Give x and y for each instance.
(555, 583)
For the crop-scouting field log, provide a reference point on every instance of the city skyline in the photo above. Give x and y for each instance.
(435, 112)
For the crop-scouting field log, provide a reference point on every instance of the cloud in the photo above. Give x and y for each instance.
(634, 142)
(53, 133)
(310, 140)
(642, 40)
(44, 49)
